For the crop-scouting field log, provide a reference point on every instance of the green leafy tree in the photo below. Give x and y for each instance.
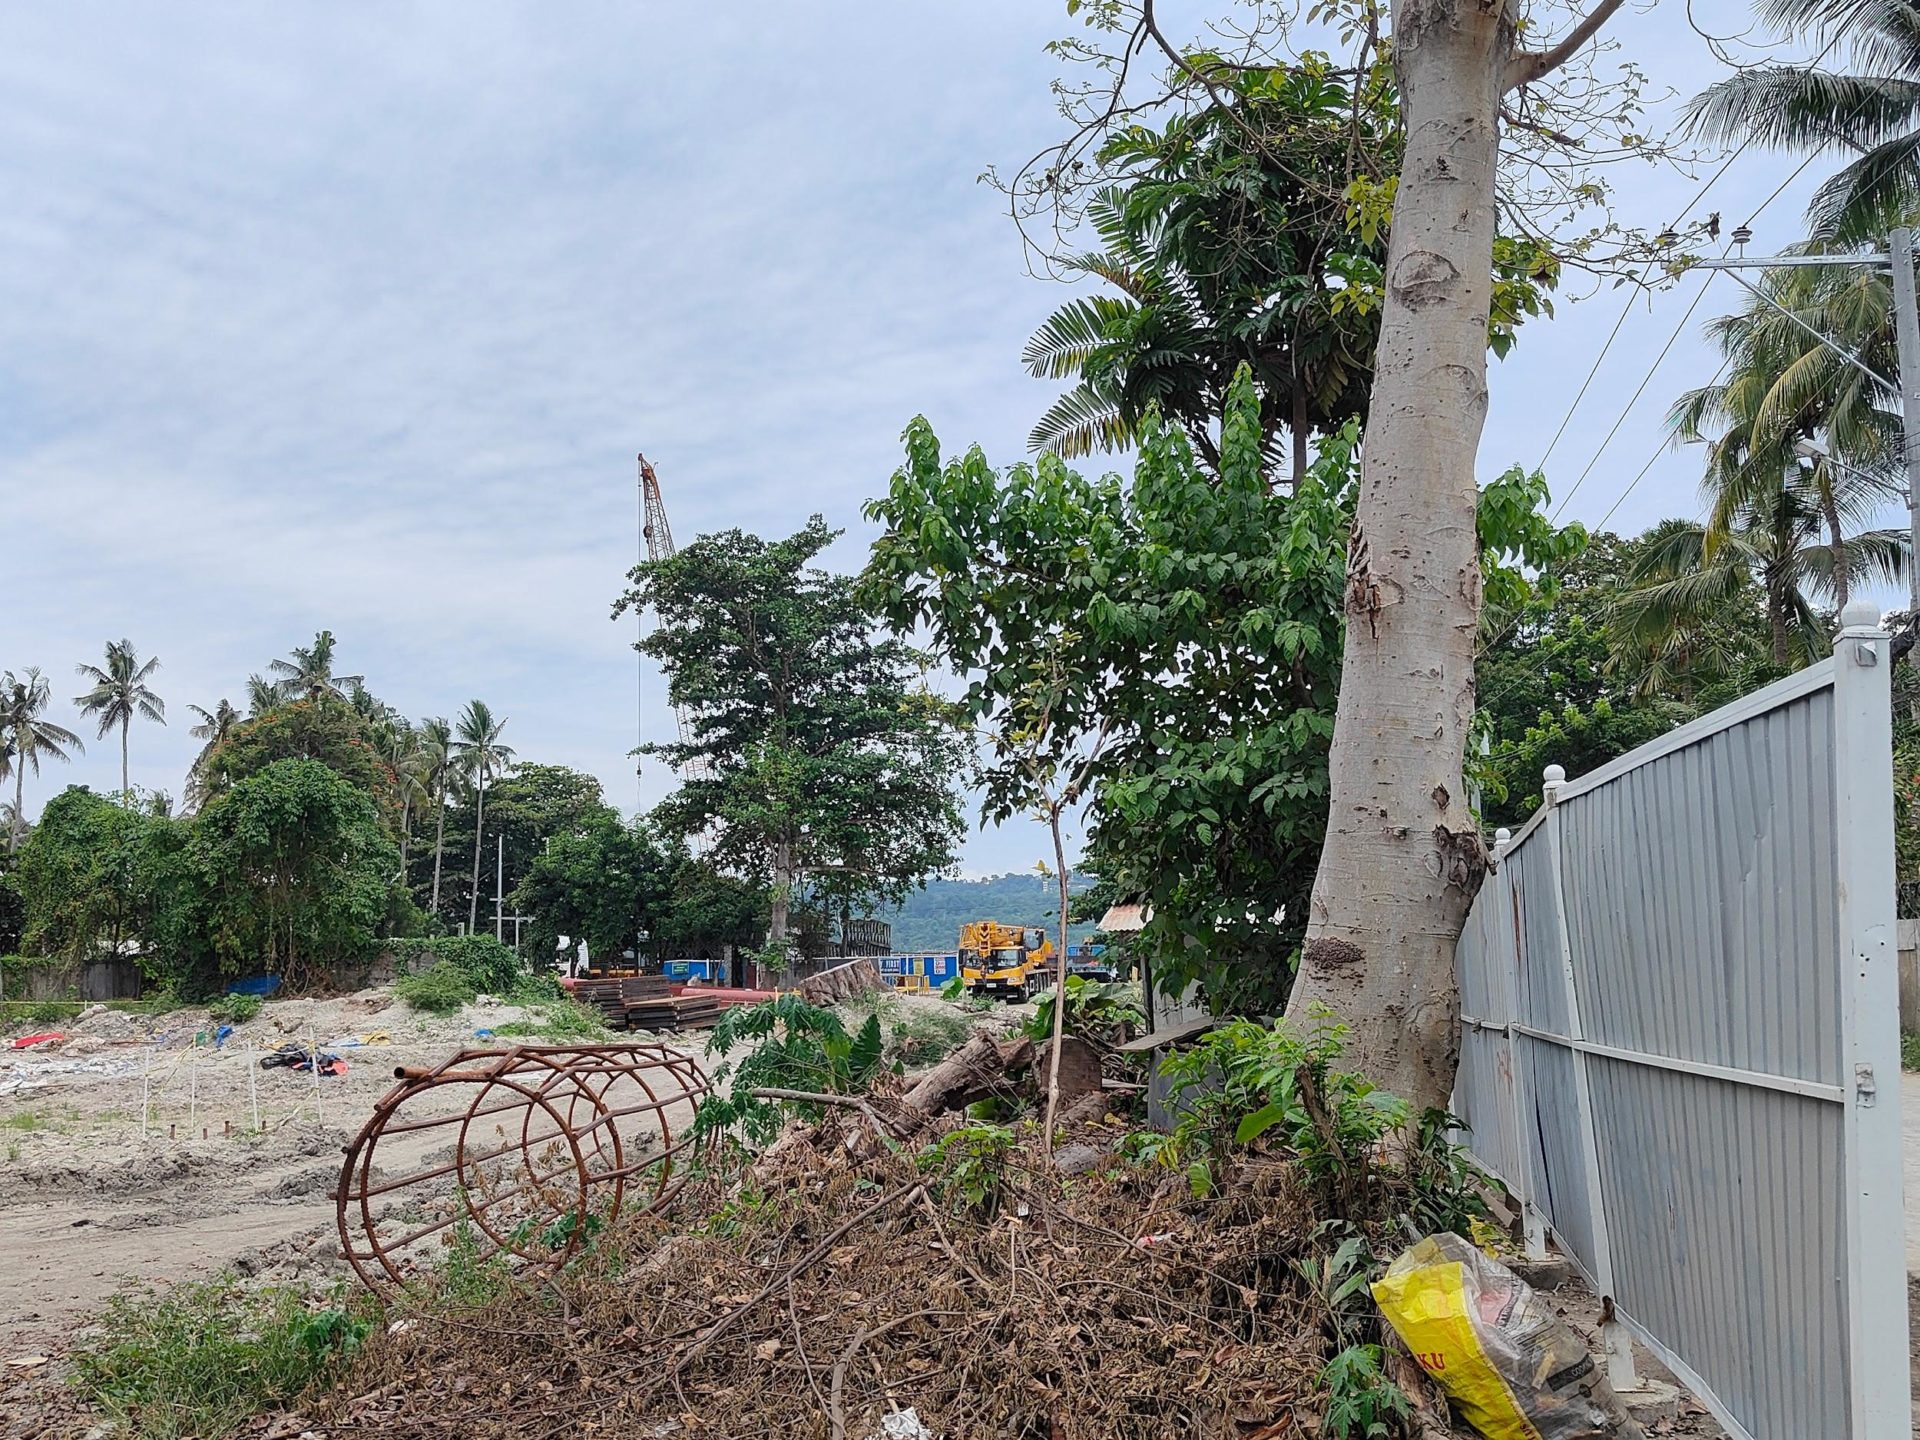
(119, 692)
(1196, 624)
(1872, 113)
(325, 730)
(79, 876)
(298, 866)
(26, 738)
(309, 672)
(480, 756)
(707, 909)
(602, 881)
(1234, 238)
(815, 748)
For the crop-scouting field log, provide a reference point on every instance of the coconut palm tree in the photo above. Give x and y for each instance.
(436, 748)
(214, 727)
(476, 745)
(1870, 110)
(406, 755)
(120, 692)
(27, 737)
(1665, 622)
(262, 695)
(308, 671)
(1799, 427)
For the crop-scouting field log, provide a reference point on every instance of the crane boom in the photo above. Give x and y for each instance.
(658, 535)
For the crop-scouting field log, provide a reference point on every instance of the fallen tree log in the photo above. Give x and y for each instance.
(842, 982)
(979, 1068)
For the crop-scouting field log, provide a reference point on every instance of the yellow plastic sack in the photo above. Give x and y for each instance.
(1510, 1365)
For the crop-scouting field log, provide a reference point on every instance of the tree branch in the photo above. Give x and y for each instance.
(1530, 65)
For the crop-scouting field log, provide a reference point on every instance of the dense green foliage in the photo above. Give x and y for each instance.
(1180, 638)
(823, 763)
(606, 883)
(297, 868)
(790, 1045)
(82, 877)
(489, 966)
(439, 991)
(324, 729)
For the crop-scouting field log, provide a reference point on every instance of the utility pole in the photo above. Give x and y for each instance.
(499, 888)
(1906, 331)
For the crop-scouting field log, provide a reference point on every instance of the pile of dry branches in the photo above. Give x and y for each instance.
(846, 1276)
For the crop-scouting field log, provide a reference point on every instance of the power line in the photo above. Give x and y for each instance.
(1699, 195)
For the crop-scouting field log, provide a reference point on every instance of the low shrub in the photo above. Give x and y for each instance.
(489, 966)
(439, 991)
(235, 1009)
(200, 1359)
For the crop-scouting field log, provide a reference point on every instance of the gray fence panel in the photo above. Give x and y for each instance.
(1720, 1201)
(1679, 1047)
(1694, 876)
(1558, 1171)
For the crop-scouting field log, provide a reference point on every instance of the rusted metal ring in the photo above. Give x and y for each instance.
(573, 1126)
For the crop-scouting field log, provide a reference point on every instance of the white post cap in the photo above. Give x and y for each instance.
(1860, 615)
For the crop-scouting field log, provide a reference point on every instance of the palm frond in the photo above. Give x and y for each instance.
(1079, 422)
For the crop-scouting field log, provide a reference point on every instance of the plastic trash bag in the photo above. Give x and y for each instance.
(1511, 1366)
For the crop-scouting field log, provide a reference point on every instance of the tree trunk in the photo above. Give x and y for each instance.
(1403, 856)
(1777, 623)
(406, 834)
(1299, 428)
(1059, 983)
(1842, 570)
(439, 848)
(479, 833)
(126, 782)
(777, 906)
(19, 799)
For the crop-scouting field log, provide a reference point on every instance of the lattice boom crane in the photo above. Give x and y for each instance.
(658, 535)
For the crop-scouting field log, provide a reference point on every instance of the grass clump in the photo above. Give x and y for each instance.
(558, 1021)
(439, 991)
(1910, 1049)
(235, 1009)
(200, 1359)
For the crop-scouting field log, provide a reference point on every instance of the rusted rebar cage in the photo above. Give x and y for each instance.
(521, 1154)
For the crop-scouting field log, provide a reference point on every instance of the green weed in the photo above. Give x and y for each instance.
(200, 1359)
(968, 1166)
(1362, 1403)
(24, 1120)
(235, 1009)
(439, 991)
(1910, 1049)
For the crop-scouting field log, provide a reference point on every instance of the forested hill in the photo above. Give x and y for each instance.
(931, 919)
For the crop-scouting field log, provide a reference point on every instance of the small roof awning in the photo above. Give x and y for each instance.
(1126, 919)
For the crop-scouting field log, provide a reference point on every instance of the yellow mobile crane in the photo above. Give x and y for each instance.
(1004, 960)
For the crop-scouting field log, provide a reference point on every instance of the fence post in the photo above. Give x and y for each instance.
(1877, 1360)
(1533, 1223)
(1551, 781)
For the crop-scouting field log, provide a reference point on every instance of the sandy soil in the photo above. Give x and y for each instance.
(131, 1154)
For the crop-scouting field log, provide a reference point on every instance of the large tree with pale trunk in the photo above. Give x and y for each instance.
(1403, 856)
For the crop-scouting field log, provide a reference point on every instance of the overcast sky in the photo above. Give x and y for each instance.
(354, 316)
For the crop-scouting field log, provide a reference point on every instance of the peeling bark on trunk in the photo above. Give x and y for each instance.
(1403, 856)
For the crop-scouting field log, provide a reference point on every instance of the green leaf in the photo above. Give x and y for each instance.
(1253, 1126)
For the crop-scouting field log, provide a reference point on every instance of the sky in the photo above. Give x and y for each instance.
(354, 317)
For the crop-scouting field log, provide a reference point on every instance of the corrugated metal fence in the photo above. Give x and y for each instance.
(1680, 1047)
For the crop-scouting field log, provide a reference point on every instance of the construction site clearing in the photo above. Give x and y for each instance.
(835, 1286)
